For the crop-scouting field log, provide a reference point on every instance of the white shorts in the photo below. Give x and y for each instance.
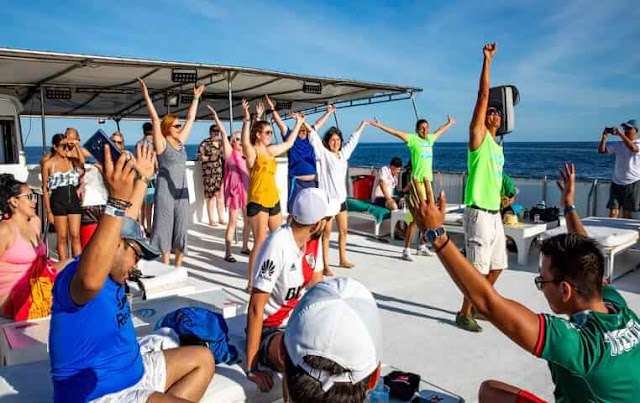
(484, 240)
(153, 380)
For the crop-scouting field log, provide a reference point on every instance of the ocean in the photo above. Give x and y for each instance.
(534, 159)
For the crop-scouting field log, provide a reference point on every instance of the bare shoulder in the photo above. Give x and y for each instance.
(45, 161)
(6, 232)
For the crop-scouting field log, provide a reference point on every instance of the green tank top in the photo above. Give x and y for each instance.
(485, 175)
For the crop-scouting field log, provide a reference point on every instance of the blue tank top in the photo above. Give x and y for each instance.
(302, 158)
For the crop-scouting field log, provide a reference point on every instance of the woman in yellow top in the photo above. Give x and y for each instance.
(263, 208)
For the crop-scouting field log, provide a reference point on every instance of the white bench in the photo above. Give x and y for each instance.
(613, 235)
(17, 383)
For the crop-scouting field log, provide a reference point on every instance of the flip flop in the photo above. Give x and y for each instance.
(230, 259)
(246, 252)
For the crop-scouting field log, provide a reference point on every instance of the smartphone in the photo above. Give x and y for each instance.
(96, 144)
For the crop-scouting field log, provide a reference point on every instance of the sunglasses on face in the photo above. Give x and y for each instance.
(30, 196)
(268, 132)
(136, 251)
(539, 281)
(177, 126)
(67, 147)
(235, 139)
(118, 142)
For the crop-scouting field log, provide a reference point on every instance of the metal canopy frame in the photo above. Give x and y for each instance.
(107, 87)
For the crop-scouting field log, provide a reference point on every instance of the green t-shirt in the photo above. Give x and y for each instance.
(594, 357)
(421, 151)
(485, 175)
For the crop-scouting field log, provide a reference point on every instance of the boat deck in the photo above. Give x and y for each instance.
(418, 302)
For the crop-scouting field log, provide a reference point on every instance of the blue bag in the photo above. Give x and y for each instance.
(206, 326)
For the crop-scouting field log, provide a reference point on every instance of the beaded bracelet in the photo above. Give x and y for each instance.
(118, 204)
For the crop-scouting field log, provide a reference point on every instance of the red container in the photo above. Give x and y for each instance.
(362, 187)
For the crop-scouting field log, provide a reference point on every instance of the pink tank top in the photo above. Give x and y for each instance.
(17, 260)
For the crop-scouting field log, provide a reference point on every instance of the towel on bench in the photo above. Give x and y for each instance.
(359, 206)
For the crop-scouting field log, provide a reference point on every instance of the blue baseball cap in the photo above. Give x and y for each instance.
(131, 230)
(630, 123)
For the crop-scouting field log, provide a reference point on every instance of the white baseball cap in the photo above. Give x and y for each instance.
(337, 320)
(310, 206)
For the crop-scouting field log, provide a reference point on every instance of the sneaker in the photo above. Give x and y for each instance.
(425, 252)
(467, 323)
(476, 315)
(406, 255)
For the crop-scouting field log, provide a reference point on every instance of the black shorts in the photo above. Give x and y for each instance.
(626, 197)
(343, 207)
(254, 208)
(65, 201)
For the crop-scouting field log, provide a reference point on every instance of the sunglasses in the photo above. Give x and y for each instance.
(268, 132)
(67, 147)
(118, 142)
(135, 248)
(493, 112)
(235, 138)
(539, 281)
(177, 126)
(30, 196)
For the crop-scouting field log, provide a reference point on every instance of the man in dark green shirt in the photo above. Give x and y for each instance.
(594, 355)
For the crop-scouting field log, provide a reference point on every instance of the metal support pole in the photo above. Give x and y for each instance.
(544, 188)
(415, 107)
(230, 102)
(335, 119)
(42, 120)
(117, 124)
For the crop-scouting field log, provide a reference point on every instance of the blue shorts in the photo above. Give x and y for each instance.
(295, 186)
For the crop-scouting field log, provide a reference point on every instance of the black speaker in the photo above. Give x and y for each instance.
(506, 97)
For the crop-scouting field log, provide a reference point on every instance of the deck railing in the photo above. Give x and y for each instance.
(591, 194)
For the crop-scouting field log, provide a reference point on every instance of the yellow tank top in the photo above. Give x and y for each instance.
(263, 189)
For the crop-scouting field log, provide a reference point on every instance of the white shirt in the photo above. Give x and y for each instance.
(95, 191)
(332, 169)
(390, 182)
(283, 271)
(626, 169)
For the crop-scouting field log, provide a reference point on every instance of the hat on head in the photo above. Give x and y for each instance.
(337, 320)
(310, 206)
(131, 230)
(630, 123)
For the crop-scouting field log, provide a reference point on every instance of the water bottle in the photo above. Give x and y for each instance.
(380, 394)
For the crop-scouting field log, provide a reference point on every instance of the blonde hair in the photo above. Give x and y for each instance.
(167, 123)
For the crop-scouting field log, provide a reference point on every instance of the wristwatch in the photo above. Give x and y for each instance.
(569, 208)
(432, 234)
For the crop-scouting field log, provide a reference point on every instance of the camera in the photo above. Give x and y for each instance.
(610, 130)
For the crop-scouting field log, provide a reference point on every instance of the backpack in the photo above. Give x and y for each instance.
(201, 326)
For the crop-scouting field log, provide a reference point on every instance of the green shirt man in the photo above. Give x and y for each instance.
(485, 165)
(421, 152)
(593, 357)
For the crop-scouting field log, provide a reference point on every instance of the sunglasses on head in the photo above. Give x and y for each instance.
(30, 196)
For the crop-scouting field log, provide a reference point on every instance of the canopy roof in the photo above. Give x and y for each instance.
(97, 86)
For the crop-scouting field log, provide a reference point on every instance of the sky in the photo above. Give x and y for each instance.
(576, 63)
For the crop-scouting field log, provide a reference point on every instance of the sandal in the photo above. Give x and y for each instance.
(230, 259)
(246, 251)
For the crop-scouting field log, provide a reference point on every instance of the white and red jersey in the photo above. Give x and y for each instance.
(283, 271)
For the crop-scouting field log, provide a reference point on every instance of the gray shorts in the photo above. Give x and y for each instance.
(268, 333)
(154, 380)
(484, 240)
(626, 197)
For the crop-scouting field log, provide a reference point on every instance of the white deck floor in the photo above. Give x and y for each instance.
(418, 302)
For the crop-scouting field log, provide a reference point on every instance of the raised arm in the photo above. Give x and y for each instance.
(97, 258)
(450, 122)
(627, 141)
(602, 147)
(477, 128)
(191, 116)
(44, 170)
(79, 162)
(402, 136)
(567, 186)
(276, 117)
(281, 148)
(315, 140)
(159, 142)
(247, 147)
(514, 320)
(226, 145)
(351, 144)
(323, 119)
